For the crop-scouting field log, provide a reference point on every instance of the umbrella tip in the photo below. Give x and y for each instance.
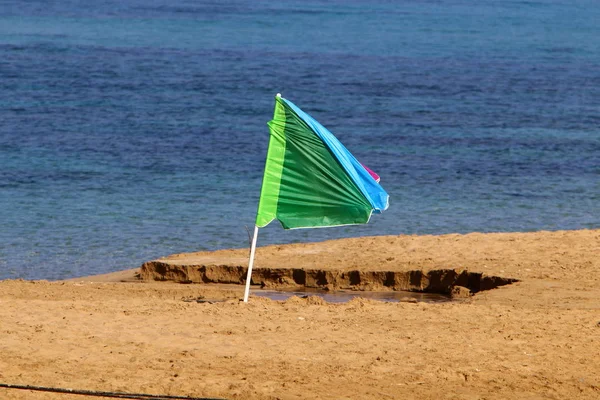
(278, 95)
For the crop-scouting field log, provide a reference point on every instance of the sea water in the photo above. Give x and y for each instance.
(134, 129)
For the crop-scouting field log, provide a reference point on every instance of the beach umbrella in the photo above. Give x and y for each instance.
(311, 180)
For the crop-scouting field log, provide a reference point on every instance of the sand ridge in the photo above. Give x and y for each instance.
(539, 255)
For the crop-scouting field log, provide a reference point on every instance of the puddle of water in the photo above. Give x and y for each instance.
(342, 296)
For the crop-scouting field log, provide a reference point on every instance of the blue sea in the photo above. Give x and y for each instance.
(134, 129)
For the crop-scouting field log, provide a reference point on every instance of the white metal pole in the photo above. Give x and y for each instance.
(249, 277)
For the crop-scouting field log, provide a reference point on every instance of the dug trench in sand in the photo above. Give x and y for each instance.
(437, 264)
(446, 281)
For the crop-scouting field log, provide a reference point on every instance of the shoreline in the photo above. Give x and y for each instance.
(493, 253)
(126, 275)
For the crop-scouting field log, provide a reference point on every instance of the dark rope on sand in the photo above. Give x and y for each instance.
(116, 395)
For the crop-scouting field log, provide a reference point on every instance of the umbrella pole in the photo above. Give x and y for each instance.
(252, 251)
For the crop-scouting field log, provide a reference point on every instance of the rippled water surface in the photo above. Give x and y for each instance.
(133, 129)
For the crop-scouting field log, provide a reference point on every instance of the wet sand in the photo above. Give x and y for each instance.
(534, 339)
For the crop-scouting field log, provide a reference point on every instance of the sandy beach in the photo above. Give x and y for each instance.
(535, 338)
